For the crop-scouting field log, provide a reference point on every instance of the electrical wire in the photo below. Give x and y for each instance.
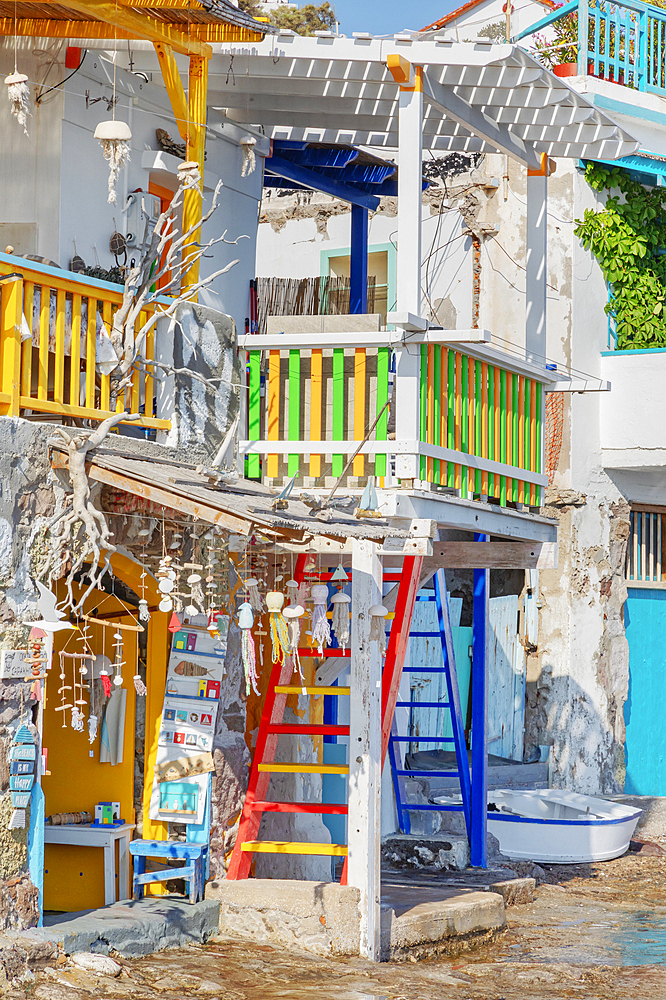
(40, 97)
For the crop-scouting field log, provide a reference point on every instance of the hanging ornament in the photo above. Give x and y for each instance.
(119, 662)
(64, 705)
(106, 682)
(303, 593)
(114, 137)
(377, 631)
(293, 615)
(340, 575)
(248, 654)
(139, 686)
(174, 623)
(321, 630)
(92, 728)
(189, 174)
(292, 592)
(19, 97)
(253, 595)
(144, 613)
(278, 626)
(247, 144)
(340, 621)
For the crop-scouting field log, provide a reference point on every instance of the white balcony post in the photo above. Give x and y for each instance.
(409, 296)
(536, 260)
(365, 748)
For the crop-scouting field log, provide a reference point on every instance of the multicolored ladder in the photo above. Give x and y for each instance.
(272, 726)
(399, 773)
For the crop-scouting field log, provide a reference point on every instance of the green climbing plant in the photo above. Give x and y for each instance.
(628, 238)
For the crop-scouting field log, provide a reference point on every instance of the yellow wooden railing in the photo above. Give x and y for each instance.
(49, 322)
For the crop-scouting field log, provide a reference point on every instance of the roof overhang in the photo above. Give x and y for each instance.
(478, 97)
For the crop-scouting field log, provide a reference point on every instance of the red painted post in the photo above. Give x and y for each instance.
(397, 646)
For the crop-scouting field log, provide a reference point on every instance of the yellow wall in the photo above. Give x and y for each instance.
(74, 877)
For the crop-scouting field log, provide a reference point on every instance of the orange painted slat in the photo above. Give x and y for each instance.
(358, 467)
(149, 382)
(316, 385)
(26, 346)
(273, 410)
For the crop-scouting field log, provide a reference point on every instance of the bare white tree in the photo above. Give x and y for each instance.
(83, 535)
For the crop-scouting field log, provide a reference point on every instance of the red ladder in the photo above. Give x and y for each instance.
(272, 726)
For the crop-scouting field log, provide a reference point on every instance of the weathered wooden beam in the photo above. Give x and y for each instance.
(491, 555)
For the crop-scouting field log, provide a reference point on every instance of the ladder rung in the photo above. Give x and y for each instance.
(433, 808)
(424, 670)
(424, 635)
(426, 774)
(297, 689)
(304, 768)
(307, 730)
(422, 704)
(284, 847)
(422, 739)
(331, 808)
(327, 652)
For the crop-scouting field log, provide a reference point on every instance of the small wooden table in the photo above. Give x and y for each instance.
(88, 835)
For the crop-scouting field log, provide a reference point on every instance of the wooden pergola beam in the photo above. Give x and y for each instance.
(141, 26)
(33, 27)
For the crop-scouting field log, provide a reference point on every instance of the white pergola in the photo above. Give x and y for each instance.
(406, 94)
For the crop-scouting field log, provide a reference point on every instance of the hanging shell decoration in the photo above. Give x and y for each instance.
(114, 138)
(377, 629)
(19, 97)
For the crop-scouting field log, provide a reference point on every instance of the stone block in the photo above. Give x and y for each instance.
(441, 927)
(436, 853)
(319, 917)
(515, 891)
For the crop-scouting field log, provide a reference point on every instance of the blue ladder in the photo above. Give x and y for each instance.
(453, 704)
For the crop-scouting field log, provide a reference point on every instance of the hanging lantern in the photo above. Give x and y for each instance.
(114, 137)
(19, 97)
(293, 615)
(278, 626)
(321, 630)
(247, 144)
(189, 174)
(248, 654)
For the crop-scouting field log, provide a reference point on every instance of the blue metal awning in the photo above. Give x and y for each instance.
(344, 172)
(643, 167)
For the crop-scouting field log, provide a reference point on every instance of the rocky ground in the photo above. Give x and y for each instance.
(593, 931)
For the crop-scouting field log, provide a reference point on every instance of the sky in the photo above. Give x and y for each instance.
(381, 17)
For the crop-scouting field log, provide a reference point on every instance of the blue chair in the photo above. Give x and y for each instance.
(195, 857)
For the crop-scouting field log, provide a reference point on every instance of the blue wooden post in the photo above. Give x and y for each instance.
(583, 41)
(358, 292)
(478, 841)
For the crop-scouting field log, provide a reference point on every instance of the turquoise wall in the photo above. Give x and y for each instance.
(644, 711)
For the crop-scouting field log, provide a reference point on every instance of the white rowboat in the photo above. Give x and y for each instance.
(553, 825)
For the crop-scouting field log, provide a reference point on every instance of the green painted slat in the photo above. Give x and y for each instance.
(382, 396)
(491, 422)
(423, 407)
(503, 430)
(516, 430)
(464, 423)
(451, 416)
(253, 467)
(437, 411)
(478, 422)
(294, 408)
(539, 439)
(338, 429)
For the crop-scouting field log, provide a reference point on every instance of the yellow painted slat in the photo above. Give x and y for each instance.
(10, 343)
(50, 406)
(316, 383)
(26, 346)
(148, 384)
(304, 768)
(358, 465)
(296, 689)
(285, 847)
(273, 430)
(90, 353)
(43, 370)
(75, 352)
(59, 378)
(175, 90)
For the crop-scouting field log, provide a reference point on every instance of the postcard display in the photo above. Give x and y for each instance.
(185, 742)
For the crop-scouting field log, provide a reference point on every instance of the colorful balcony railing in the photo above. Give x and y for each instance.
(622, 42)
(480, 428)
(52, 324)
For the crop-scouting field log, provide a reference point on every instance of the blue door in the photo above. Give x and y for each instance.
(645, 708)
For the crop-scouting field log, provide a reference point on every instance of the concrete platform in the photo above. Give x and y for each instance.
(132, 928)
(417, 921)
